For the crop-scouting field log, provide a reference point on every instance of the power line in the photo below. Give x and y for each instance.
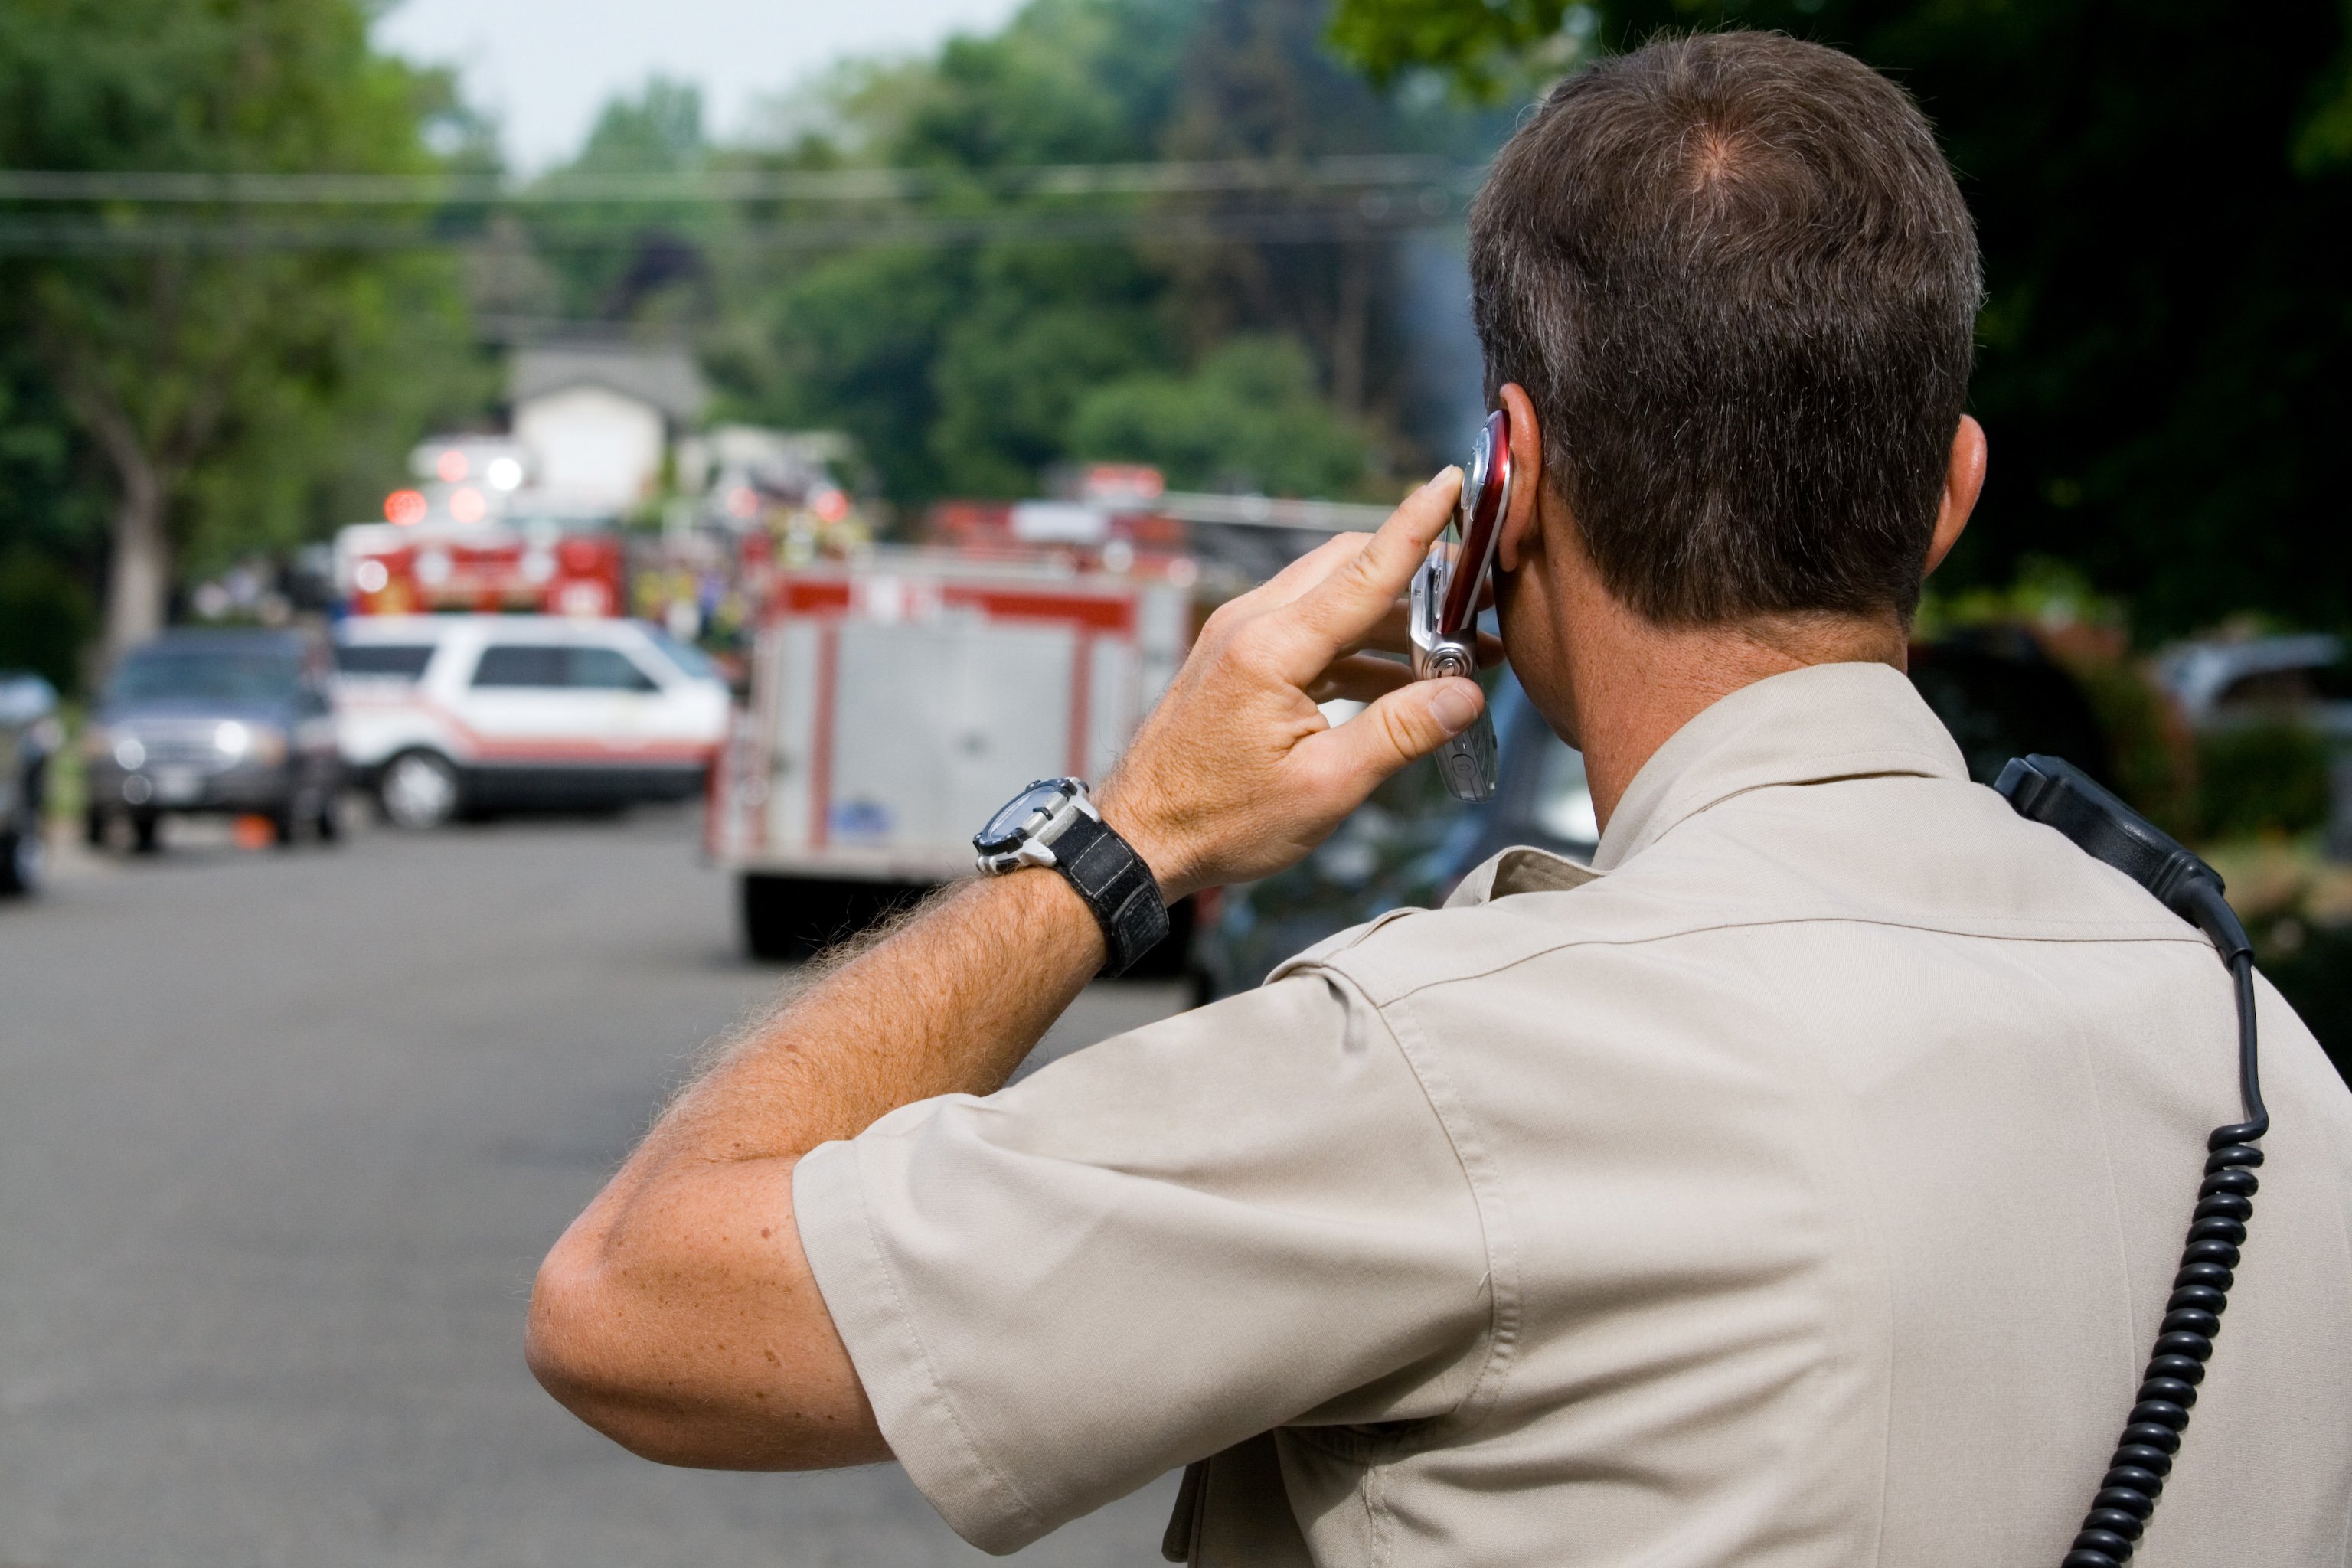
(1371, 215)
(728, 187)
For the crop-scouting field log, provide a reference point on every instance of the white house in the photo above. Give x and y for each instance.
(598, 420)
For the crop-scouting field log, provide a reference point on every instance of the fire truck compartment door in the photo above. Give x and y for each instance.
(938, 723)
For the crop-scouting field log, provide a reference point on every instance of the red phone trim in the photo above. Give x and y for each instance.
(1461, 606)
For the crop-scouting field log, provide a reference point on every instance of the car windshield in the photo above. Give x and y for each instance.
(685, 655)
(206, 675)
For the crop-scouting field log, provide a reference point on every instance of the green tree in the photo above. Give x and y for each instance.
(221, 386)
(962, 370)
(52, 527)
(957, 368)
(1250, 418)
(660, 272)
(2164, 199)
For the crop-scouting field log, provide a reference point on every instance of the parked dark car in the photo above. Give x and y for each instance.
(29, 733)
(232, 722)
(1410, 843)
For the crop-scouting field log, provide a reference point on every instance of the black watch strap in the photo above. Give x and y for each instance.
(1117, 885)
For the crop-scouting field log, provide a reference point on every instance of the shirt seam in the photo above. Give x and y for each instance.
(1867, 1214)
(1033, 1519)
(1472, 1157)
(2185, 934)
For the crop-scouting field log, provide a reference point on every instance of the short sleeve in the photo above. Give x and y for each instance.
(1242, 1218)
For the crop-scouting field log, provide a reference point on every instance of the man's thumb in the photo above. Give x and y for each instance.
(1410, 722)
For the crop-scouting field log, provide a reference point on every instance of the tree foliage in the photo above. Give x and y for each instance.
(2164, 200)
(1249, 418)
(964, 370)
(230, 399)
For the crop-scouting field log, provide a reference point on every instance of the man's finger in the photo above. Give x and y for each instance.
(1286, 585)
(1393, 633)
(1357, 592)
(1407, 724)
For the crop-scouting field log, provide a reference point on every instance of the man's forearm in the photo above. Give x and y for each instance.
(677, 1314)
(949, 1003)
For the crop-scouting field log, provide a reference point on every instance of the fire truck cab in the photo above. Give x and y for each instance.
(392, 569)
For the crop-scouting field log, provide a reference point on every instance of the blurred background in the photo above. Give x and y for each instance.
(520, 521)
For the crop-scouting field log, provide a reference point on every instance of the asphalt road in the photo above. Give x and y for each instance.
(283, 1135)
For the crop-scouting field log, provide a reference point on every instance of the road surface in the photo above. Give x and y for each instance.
(282, 1136)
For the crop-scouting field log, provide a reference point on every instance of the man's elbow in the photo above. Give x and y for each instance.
(605, 1353)
(577, 1349)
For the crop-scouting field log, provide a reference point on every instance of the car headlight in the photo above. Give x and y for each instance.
(241, 742)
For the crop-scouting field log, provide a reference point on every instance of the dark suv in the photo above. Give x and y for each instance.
(235, 722)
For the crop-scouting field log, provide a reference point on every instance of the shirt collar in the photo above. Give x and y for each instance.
(1807, 726)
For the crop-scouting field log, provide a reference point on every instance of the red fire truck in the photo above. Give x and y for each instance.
(901, 695)
(390, 569)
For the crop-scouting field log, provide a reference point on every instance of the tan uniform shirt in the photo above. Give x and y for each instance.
(1800, 1187)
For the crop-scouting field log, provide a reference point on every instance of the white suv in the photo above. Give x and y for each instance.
(446, 714)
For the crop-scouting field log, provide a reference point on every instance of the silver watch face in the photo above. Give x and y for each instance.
(1022, 815)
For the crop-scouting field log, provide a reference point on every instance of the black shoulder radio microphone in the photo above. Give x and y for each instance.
(2061, 795)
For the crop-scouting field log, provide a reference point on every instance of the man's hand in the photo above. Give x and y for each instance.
(1237, 774)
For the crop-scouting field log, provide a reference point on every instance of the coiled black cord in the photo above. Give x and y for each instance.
(2056, 794)
(2184, 1341)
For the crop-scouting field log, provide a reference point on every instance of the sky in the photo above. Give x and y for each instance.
(544, 67)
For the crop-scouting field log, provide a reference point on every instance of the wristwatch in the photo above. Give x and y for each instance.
(1054, 823)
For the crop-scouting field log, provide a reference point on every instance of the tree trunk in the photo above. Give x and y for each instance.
(139, 575)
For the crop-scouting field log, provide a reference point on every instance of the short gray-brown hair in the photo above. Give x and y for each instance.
(1738, 281)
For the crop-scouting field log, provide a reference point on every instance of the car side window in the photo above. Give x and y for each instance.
(391, 661)
(523, 664)
(608, 669)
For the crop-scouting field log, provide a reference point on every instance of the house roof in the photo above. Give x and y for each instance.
(667, 378)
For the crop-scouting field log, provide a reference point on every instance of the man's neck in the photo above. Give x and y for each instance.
(1636, 682)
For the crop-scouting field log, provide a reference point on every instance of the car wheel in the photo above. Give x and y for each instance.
(329, 821)
(419, 789)
(93, 829)
(285, 821)
(145, 832)
(23, 860)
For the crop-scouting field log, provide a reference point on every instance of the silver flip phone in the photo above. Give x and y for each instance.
(1446, 603)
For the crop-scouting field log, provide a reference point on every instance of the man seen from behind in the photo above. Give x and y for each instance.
(1799, 1184)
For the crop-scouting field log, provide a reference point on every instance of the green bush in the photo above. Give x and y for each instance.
(2263, 778)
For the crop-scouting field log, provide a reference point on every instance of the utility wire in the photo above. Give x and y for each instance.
(1331, 212)
(721, 186)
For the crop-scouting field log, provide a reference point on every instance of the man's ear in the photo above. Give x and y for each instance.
(1963, 482)
(1519, 536)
